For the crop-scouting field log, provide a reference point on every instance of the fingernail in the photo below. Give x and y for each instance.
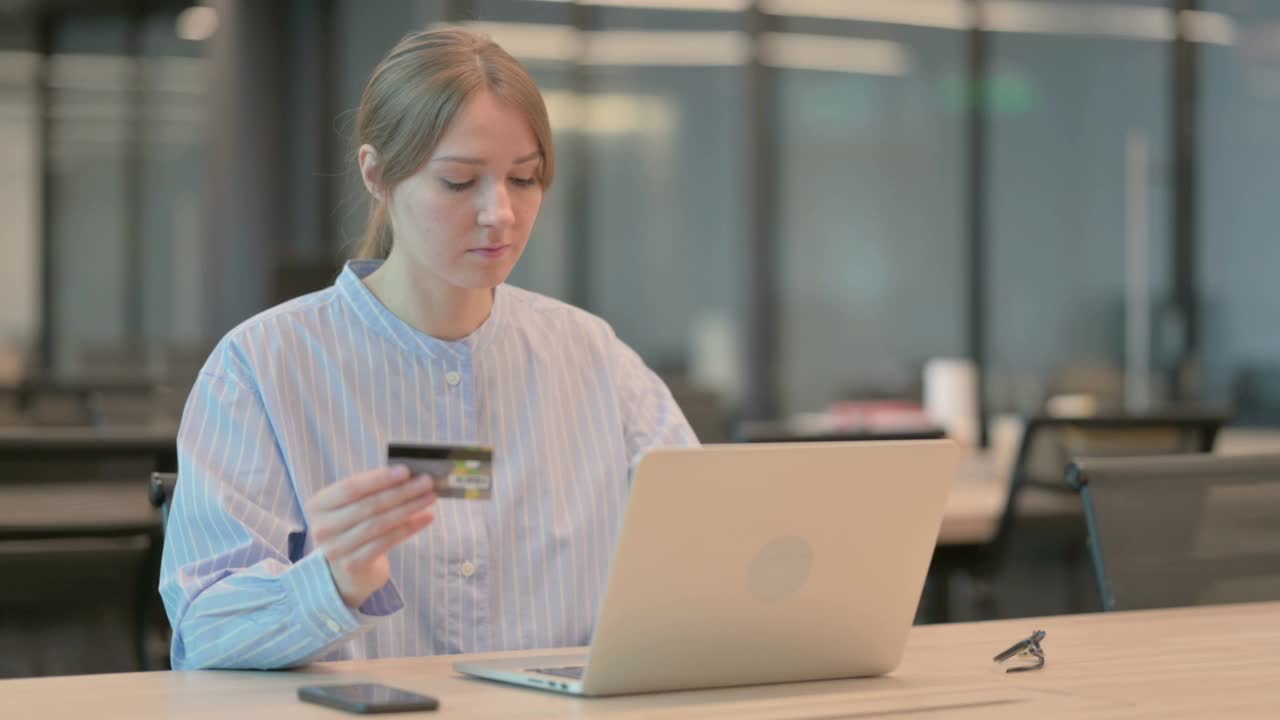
(399, 472)
(426, 482)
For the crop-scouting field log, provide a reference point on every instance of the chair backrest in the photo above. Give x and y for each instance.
(703, 408)
(77, 516)
(1049, 444)
(160, 493)
(1176, 531)
(1255, 395)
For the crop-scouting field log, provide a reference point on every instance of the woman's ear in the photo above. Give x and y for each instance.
(371, 171)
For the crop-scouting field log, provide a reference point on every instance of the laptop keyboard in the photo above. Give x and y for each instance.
(574, 672)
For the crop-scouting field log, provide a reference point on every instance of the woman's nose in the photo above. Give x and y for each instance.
(496, 211)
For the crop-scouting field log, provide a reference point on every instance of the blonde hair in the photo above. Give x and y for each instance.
(413, 95)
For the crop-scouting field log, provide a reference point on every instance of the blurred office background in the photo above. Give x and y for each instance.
(783, 205)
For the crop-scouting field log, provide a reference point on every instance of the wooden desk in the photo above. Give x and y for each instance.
(1170, 664)
(78, 481)
(973, 508)
(972, 514)
(1247, 441)
(93, 508)
(773, 431)
(975, 505)
(43, 443)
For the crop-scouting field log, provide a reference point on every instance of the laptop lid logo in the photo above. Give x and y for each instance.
(780, 568)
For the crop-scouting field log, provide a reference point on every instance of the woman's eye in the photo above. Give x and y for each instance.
(524, 182)
(457, 186)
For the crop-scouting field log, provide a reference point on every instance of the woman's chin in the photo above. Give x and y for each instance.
(486, 279)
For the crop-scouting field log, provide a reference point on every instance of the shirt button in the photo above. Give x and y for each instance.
(468, 569)
(333, 624)
(452, 377)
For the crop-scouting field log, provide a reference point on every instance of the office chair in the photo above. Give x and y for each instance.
(702, 408)
(72, 517)
(1255, 396)
(160, 493)
(1178, 531)
(48, 556)
(1048, 446)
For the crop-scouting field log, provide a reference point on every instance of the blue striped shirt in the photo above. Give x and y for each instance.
(312, 391)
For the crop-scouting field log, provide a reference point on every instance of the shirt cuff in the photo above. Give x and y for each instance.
(321, 607)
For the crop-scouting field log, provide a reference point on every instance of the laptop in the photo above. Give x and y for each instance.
(754, 564)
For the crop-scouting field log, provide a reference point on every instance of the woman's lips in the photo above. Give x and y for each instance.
(490, 252)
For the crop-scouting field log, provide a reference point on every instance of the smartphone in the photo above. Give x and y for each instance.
(367, 698)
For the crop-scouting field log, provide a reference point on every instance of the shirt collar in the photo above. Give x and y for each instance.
(350, 285)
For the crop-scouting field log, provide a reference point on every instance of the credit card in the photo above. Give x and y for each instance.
(461, 471)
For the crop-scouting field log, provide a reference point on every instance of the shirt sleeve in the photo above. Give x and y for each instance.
(651, 417)
(237, 590)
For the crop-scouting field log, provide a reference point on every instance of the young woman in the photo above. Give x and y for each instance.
(289, 539)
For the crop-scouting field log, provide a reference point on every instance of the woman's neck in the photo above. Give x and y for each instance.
(428, 304)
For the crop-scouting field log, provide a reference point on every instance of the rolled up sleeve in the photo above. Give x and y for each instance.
(234, 595)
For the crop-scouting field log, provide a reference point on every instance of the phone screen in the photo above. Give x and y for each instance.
(367, 698)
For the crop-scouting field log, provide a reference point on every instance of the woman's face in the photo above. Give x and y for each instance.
(466, 214)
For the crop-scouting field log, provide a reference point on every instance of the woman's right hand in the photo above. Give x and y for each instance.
(357, 520)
